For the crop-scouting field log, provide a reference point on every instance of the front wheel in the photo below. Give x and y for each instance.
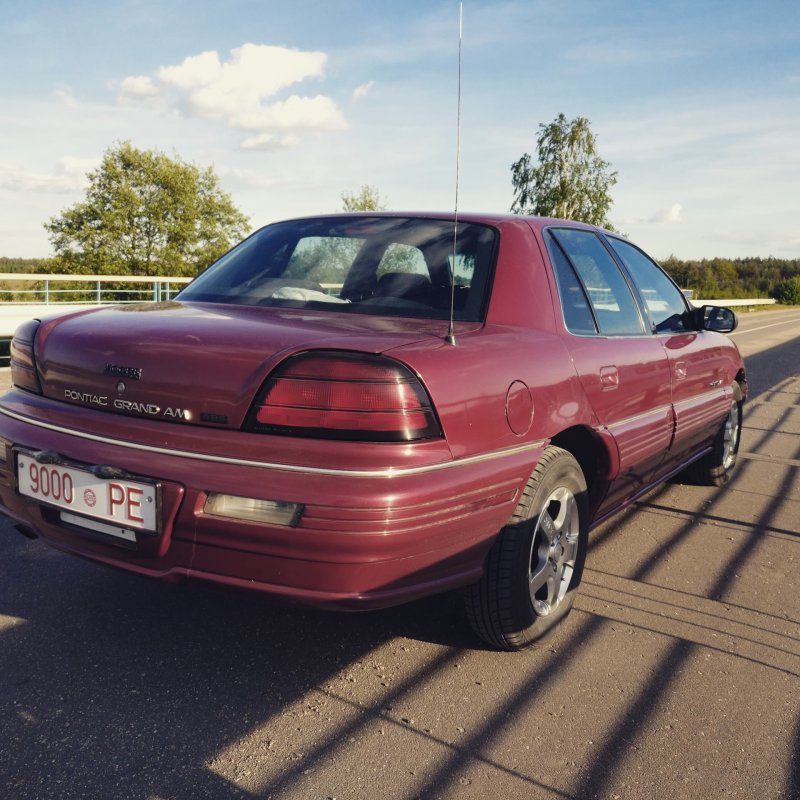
(536, 562)
(715, 468)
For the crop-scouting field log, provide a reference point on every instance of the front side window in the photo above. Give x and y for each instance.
(664, 300)
(600, 282)
(393, 266)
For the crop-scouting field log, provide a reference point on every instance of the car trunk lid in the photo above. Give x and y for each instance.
(195, 363)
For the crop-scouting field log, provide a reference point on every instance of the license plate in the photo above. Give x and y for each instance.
(127, 504)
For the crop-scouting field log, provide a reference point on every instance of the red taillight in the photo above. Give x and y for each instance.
(344, 396)
(23, 362)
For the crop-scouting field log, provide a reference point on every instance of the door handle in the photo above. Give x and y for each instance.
(609, 378)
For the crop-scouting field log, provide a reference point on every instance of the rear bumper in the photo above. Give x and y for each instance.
(369, 535)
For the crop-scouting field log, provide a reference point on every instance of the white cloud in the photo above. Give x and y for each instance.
(238, 90)
(295, 113)
(269, 141)
(137, 88)
(197, 72)
(77, 167)
(667, 215)
(68, 175)
(65, 95)
(245, 178)
(362, 91)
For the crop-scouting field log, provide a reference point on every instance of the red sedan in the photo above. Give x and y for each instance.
(359, 410)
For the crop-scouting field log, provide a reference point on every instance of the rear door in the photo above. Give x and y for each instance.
(622, 366)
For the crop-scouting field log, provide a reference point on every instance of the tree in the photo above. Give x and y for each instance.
(367, 199)
(146, 214)
(571, 181)
(789, 292)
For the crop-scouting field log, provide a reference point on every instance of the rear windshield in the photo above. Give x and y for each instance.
(395, 266)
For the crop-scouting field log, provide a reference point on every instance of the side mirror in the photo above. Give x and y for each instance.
(715, 318)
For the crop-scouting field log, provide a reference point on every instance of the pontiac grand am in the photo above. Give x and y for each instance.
(358, 410)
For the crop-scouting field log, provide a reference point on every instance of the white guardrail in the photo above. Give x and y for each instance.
(729, 303)
(51, 294)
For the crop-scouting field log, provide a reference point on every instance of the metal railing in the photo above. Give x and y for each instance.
(752, 302)
(24, 295)
(44, 288)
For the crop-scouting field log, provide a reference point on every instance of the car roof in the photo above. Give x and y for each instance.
(469, 216)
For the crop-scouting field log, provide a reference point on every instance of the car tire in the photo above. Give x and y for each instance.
(536, 562)
(715, 468)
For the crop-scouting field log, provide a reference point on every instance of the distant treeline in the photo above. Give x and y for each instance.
(738, 277)
(27, 265)
(709, 277)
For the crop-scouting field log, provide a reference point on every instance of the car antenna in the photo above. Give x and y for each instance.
(451, 334)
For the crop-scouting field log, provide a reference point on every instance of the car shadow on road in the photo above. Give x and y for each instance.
(118, 686)
(768, 369)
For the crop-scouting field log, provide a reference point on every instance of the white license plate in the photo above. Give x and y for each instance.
(123, 503)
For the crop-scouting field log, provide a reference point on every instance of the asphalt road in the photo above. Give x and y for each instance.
(676, 676)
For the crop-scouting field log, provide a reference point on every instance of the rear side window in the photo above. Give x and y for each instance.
(664, 300)
(592, 270)
(578, 315)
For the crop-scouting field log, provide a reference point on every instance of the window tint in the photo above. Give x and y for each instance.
(613, 305)
(664, 300)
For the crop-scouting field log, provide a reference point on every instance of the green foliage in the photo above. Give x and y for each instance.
(367, 199)
(571, 181)
(146, 214)
(27, 265)
(719, 278)
(789, 292)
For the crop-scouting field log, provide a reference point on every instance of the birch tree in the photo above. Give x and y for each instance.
(570, 180)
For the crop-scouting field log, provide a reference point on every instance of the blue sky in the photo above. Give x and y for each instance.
(695, 104)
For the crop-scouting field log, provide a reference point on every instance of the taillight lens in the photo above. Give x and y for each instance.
(23, 362)
(344, 396)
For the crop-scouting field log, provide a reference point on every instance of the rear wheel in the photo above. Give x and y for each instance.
(715, 468)
(536, 562)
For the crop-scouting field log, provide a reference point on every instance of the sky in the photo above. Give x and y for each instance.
(695, 104)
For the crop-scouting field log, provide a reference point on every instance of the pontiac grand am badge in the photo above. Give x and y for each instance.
(144, 408)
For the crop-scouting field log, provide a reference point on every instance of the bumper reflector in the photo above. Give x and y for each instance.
(273, 512)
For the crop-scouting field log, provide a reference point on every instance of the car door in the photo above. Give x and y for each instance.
(623, 367)
(701, 390)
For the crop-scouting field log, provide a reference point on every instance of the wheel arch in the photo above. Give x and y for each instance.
(588, 449)
(740, 386)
